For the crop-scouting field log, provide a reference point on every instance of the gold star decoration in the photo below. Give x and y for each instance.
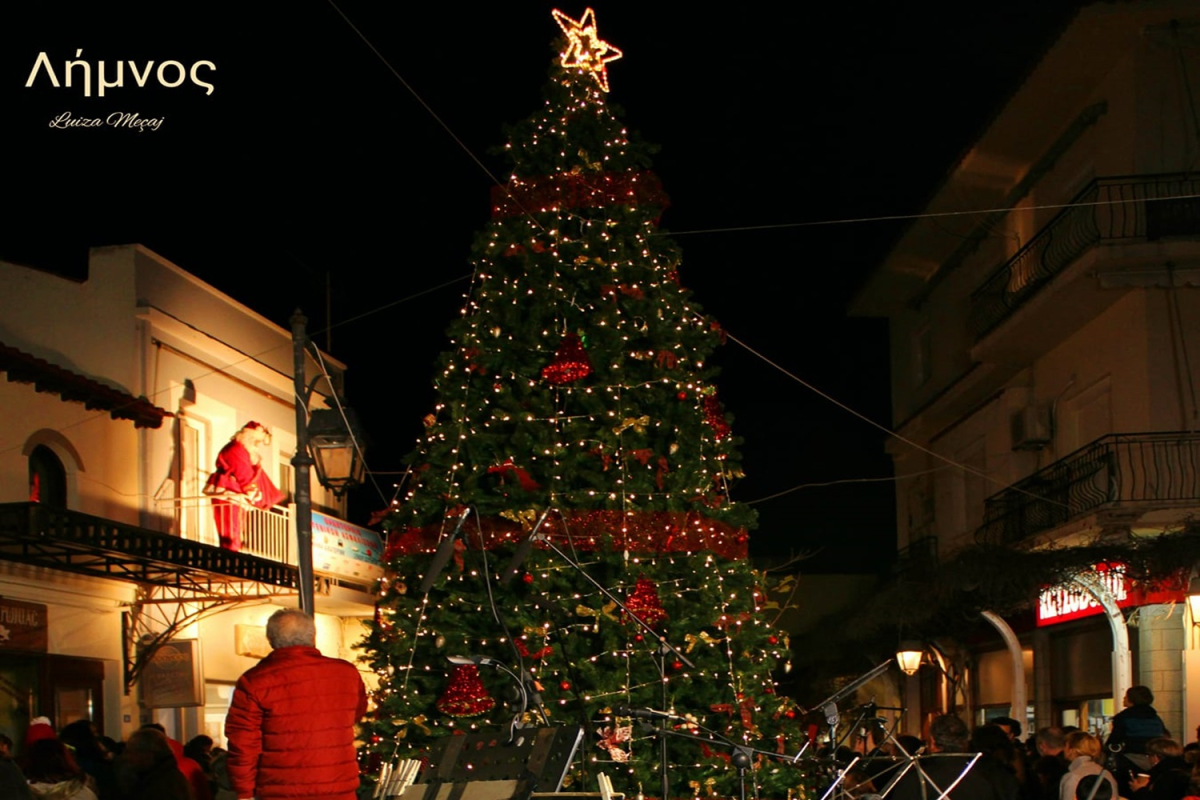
(585, 50)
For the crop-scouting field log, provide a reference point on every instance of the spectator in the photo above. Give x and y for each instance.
(986, 780)
(1137, 724)
(92, 757)
(1169, 775)
(996, 743)
(281, 743)
(192, 771)
(12, 782)
(1051, 765)
(199, 749)
(147, 769)
(1084, 753)
(39, 728)
(53, 774)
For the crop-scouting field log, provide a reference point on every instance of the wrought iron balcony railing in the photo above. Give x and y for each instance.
(920, 556)
(266, 532)
(1126, 209)
(1140, 471)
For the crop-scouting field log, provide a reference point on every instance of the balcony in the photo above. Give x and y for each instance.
(1124, 475)
(266, 532)
(52, 538)
(1125, 210)
(920, 557)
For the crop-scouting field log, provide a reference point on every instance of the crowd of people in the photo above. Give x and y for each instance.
(1138, 761)
(290, 730)
(77, 764)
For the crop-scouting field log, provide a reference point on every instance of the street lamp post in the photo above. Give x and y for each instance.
(326, 439)
(302, 463)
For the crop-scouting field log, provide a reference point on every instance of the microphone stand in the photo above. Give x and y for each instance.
(741, 756)
(664, 647)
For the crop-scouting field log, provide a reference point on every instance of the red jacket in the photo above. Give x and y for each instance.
(291, 727)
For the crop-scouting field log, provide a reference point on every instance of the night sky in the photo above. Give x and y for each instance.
(311, 163)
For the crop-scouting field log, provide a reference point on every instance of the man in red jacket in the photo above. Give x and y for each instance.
(291, 723)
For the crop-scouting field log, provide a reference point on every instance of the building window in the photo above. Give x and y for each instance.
(47, 478)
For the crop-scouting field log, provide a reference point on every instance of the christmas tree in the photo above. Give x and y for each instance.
(577, 391)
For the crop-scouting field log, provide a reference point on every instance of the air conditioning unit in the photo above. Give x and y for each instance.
(1031, 428)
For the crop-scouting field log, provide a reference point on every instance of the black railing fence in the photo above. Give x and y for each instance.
(1132, 208)
(921, 555)
(1121, 469)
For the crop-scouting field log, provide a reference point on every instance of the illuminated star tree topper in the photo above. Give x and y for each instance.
(585, 50)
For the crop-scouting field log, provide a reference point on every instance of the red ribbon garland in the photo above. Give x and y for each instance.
(543, 193)
(649, 532)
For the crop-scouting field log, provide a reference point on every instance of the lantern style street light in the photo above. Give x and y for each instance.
(335, 449)
(908, 656)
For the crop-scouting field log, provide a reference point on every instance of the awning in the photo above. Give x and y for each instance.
(22, 367)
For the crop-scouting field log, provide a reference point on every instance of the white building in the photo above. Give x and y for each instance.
(1045, 335)
(120, 391)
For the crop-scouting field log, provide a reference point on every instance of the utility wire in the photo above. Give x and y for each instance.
(924, 215)
(839, 482)
(337, 401)
(887, 430)
(438, 119)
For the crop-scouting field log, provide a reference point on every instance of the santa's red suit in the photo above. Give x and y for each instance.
(237, 473)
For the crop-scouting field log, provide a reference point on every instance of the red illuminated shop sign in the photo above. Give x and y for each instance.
(1063, 603)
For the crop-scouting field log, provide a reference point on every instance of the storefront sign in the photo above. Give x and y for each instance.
(172, 677)
(1072, 601)
(22, 626)
(346, 550)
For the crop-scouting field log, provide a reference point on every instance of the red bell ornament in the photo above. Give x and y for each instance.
(466, 695)
(570, 362)
(644, 602)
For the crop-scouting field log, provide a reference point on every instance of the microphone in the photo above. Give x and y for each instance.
(442, 557)
(647, 713)
(482, 661)
(523, 551)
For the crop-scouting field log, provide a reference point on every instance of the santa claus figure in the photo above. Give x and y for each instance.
(239, 482)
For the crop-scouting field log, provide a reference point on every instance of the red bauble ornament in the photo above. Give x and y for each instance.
(570, 362)
(682, 396)
(677, 665)
(465, 696)
(790, 714)
(773, 639)
(644, 602)
(527, 578)
(565, 686)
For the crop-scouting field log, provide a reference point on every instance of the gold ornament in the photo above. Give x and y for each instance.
(418, 721)
(526, 517)
(694, 639)
(637, 423)
(585, 50)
